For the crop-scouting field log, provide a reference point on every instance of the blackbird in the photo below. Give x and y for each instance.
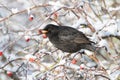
(70, 40)
(67, 38)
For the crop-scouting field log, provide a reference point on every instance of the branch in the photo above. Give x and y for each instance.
(25, 10)
(11, 62)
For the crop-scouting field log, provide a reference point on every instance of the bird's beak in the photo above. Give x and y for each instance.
(44, 31)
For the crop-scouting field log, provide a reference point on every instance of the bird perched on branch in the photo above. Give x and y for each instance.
(67, 38)
(70, 40)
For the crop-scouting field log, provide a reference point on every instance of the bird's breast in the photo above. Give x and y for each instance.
(66, 46)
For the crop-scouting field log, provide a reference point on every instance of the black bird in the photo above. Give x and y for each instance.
(70, 40)
(67, 38)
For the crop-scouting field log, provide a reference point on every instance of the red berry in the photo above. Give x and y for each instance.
(31, 59)
(81, 66)
(1, 53)
(9, 73)
(55, 15)
(31, 17)
(44, 35)
(74, 61)
(28, 39)
(39, 31)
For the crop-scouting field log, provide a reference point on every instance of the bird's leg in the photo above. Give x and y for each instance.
(93, 57)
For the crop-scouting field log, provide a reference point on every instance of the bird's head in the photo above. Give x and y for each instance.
(50, 29)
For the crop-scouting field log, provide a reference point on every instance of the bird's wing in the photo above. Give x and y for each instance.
(81, 38)
(72, 35)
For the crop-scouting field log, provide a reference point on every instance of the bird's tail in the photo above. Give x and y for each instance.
(91, 47)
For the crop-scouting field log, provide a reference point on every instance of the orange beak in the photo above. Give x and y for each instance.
(44, 31)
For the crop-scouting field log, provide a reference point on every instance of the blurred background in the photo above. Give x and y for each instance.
(27, 55)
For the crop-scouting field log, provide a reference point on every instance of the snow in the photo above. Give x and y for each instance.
(114, 9)
(56, 5)
(16, 28)
(89, 53)
(14, 10)
(79, 22)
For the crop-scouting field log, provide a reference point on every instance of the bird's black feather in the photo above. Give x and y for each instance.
(68, 39)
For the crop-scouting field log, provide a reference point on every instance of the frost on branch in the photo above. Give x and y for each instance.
(27, 55)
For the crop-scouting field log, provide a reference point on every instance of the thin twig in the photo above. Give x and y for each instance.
(11, 62)
(25, 10)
